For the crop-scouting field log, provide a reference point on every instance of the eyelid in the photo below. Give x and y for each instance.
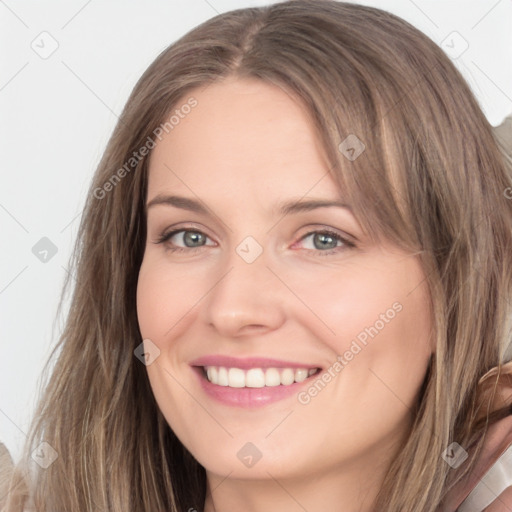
(169, 233)
(347, 240)
(322, 228)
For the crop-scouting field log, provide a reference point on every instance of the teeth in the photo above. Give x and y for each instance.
(287, 376)
(236, 378)
(272, 377)
(302, 374)
(256, 377)
(222, 379)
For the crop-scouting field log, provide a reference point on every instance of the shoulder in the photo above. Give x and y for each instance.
(7, 468)
(488, 488)
(493, 489)
(503, 503)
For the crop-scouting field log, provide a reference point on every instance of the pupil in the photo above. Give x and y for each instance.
(192, 236)
(324, 236)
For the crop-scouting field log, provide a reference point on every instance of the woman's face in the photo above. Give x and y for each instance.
(260, 295)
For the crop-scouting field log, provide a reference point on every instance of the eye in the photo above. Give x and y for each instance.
(325, 242)
(189, 236)
(326, 239)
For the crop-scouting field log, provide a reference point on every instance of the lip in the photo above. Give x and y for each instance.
(248, 398)
(248, 362)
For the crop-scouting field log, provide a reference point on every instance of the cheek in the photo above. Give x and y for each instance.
(376, 318)
(160, 305)
(362, 302)
(151, 295)
(163, 297)
(388, 341)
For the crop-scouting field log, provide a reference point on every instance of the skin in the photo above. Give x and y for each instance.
(244, 148)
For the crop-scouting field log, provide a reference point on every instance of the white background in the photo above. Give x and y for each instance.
(58, 112)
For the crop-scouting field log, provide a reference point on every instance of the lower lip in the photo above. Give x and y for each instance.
(249, 397)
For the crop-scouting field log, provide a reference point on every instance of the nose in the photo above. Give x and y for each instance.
(246, 297)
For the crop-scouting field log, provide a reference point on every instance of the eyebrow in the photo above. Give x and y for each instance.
(284, 208)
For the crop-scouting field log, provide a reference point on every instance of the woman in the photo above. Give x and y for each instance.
(257, 370)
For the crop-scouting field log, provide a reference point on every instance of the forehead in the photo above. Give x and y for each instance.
(243, 137)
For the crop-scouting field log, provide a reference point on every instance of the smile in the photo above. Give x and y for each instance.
(256, 377)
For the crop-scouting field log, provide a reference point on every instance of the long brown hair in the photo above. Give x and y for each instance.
(431, 179)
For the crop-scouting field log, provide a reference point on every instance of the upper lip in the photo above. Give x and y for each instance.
(249, 362)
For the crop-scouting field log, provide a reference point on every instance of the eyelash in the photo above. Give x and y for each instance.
(166, 236)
